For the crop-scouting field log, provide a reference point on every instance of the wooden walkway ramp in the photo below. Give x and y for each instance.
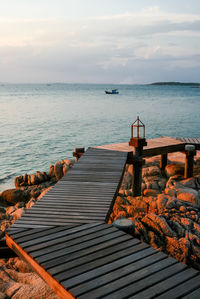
(84, 195)
(64, 237)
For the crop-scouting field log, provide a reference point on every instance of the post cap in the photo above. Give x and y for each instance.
(190, 147)
(125, 224)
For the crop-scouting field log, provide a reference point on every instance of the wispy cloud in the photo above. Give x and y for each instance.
(123, 46)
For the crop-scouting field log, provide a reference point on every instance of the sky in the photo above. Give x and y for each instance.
(99, 41)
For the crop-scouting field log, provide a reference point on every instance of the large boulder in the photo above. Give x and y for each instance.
(174, 169)
(51, 171)
(13, 196)
(188, 194)
(58, 170)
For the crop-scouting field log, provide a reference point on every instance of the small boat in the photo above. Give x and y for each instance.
(112, 91)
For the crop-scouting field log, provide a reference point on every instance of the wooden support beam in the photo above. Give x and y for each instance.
(163, 161)
(190, 152)
(137, 177)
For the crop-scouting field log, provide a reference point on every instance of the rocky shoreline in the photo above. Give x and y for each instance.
(167, 216)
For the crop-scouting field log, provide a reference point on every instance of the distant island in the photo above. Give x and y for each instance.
(176, 83)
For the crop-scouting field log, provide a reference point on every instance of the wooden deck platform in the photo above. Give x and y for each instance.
(64, 237)
(156, 146)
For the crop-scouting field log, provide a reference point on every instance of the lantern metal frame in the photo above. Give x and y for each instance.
(137, 141)
(139, 125)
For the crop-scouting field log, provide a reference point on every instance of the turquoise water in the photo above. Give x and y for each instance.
(40, 124)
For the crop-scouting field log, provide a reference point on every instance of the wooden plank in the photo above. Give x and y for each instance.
(167, 284)
(193, 294)
(53, 233)
(133, 277)
(82, 261)
(29, 232)
(40, 217)
(130, 288)
(182, 289)
(68, 208)
(61, 213)
(31, 226)
(67, 274)
(60, 237)
(109, 277)
(58, 289)
(74, 281)
(112, 241)
(54, 251)
(33, 223)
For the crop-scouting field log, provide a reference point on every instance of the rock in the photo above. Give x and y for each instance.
(180, 232)
(3, 202)
(170, 192)
(158, 224)
(174, 182)
(68, 162)
(18, 213)
(34, 179)
(138, 205)
(161, 203)
(174, 169)
(13, 196)
(18, 181)
(178, 248)
(151, 171)
(151, 192)
(140, 230)
(189, 183)
(11, 210)
(4, 224)
(30, 203)
(65, 168)
(187, 223)
(25, 179)
(58, 170)
(19, 281)
(51, 170)
(182, 209)
(45, 176)
(187, 194)
(39, 177)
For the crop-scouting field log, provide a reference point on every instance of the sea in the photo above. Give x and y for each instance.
(42, 123)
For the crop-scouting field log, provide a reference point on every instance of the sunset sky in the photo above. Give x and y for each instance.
(99, 41)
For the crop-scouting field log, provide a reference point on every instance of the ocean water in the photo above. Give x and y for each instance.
(42, 123)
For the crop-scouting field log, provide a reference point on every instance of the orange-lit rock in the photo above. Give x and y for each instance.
(150, 192)
(174, 169)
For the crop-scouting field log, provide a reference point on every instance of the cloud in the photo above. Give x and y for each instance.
(122, 48)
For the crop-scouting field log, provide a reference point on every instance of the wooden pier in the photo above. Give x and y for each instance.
(66, 239)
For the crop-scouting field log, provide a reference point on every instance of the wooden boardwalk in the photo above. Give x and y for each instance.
(86, 194)
(97, 260)
(64, 237)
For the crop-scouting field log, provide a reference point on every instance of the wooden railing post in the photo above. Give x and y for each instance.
(78, 152)
(190, 152)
